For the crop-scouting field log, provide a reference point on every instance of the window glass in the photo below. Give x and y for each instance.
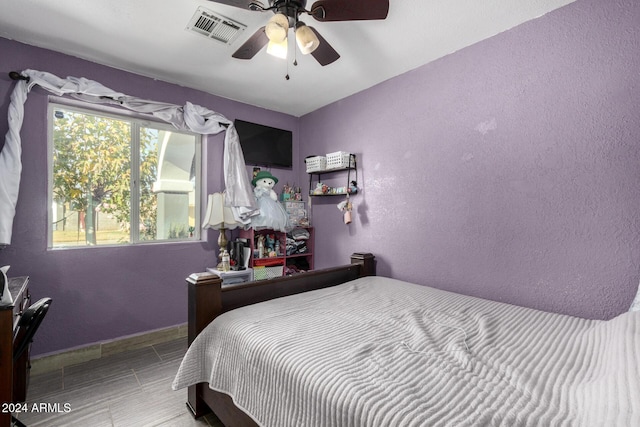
(120, 180)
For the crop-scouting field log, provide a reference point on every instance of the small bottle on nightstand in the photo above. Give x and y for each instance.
(225, 261)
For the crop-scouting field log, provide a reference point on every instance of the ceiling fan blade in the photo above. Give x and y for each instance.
(242, 4)
(349, 10)
(252, 46)
(324, 53)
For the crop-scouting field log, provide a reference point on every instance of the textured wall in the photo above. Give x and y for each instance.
(105, 293)
(508, 170)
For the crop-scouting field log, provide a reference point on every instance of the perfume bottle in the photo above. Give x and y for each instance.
(226, 265)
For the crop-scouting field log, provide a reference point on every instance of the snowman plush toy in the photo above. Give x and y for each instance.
(272, 215)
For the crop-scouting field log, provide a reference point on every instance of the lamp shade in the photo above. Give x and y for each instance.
(278, 49)
(218, 215)
(277, 27)
(306, 38)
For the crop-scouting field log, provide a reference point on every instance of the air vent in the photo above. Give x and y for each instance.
(215, 26)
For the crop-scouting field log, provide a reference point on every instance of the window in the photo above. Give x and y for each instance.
(116, 179)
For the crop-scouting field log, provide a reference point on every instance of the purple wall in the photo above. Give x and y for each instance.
(508, 170)
(105, 293)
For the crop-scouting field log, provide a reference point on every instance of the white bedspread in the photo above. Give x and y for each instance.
(381, 352)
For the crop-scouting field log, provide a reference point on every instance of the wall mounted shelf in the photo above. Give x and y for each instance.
(335, 191)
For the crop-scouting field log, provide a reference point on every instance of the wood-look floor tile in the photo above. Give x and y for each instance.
(129, 389)
(88, 396)
(160, 404)
(95, 371)
(95, 416)
(45, 383)
(171, 350)
(158, 371)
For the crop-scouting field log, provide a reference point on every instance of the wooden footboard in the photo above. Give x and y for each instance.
(208, 299)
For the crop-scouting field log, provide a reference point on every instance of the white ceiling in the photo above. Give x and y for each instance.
(149, 37)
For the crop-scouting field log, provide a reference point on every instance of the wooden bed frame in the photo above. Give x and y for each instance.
(208, 299)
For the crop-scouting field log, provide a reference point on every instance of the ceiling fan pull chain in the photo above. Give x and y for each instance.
(287, 76)
(295, 50)
(295, 56)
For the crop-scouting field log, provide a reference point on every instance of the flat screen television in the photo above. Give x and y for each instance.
(265, 145)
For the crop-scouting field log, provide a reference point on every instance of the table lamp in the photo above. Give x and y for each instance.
(219, 217)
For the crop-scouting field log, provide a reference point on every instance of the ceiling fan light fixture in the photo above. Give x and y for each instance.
(278, 49)
(306, 39)
(277, 27)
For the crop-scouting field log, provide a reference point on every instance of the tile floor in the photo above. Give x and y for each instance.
(132, 388)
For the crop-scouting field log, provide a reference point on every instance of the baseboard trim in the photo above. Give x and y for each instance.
(51, 362)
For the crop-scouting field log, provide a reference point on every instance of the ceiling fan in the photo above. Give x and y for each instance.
(309, 41)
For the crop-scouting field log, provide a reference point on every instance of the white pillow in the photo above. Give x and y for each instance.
(635, 305)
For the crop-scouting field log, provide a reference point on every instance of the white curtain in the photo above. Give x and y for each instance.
(189, 117)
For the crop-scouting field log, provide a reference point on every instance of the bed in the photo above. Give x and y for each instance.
(348, 348)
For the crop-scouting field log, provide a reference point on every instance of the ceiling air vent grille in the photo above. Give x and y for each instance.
(215, 26)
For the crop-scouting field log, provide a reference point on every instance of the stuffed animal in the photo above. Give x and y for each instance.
(263, 183)
(345, 206)
(272, 214)
(270, 242)
(318, 189)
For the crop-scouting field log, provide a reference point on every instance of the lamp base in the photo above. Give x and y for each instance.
(222, 245)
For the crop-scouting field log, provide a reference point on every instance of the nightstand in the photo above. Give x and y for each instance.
(233, 277)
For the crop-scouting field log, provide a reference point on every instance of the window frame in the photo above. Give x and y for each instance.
(137, 120)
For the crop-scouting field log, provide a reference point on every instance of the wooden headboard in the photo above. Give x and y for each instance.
(207, 299)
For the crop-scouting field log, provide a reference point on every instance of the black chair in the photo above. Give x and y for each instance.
(28, 324)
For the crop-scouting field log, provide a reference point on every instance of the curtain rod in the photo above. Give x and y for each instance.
(17, 76)
(14, 75)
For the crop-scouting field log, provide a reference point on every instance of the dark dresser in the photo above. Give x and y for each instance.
(9, 316)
